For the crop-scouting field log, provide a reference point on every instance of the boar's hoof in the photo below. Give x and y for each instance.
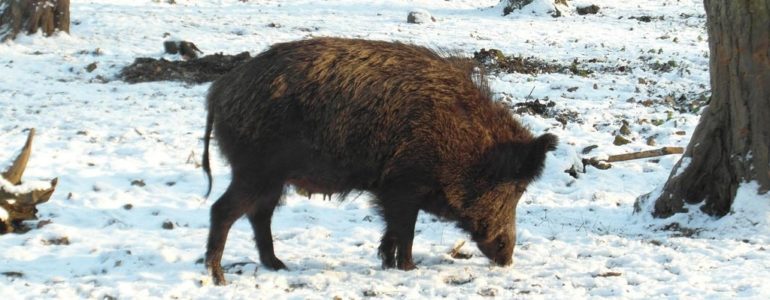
(407, 266)
(217, 275)
(274, 264)
(388, 259)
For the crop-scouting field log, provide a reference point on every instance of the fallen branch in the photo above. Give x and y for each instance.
(645, 154)
(603, 164)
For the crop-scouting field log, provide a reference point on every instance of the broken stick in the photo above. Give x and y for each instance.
(645, 154)
(604, 164)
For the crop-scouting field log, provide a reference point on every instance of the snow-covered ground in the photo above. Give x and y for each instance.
(577, 238)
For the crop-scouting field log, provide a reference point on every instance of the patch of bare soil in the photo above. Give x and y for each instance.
(547, 109)
(199, 70)
(495, 60)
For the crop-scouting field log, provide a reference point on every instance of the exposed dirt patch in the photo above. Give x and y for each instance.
(547, 109)
(57, 241)
(647, 19)
(494, 60)
(681, 231)
(204, 69)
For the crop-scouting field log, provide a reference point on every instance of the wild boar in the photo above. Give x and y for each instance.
(417, 130)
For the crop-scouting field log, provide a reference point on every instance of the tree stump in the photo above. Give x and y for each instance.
(511, 5)
(18, 201)
(30, 15)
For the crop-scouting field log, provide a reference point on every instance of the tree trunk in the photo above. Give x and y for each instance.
(730, 144)
(31, 15)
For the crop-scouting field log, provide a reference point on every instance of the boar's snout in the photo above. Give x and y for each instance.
(500, 249)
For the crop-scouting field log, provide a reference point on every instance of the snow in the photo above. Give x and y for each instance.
(25, 187)
(577, 237)
(4, 213)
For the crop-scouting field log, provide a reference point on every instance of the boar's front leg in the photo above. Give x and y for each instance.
(400, 216)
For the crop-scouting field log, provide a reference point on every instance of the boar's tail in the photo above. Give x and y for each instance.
(206, 140)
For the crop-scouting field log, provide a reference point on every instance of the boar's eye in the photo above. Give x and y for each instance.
(500, 245)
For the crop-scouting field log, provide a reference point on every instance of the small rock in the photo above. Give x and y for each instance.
(572, 89)
(187, 50)
(624, 130)
(487, 292)
(171, 47)
(57, 241)
(128, 206)
(419, 16)
(459, 280)
(91, 67)
(586, 10)
(138, 182)
(681, 132)
(514, 5)
(588, 149)
(620, 140)
(168, 225)
(651, 141)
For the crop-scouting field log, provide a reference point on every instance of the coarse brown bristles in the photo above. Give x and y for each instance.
(417, 129)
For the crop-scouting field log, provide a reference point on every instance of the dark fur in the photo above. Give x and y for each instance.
(417, 130)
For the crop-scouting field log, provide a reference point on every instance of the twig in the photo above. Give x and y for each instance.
(455, 252)
(530, 93)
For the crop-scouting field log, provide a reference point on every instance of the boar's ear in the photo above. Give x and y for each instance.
(518, 161)
(537, 150)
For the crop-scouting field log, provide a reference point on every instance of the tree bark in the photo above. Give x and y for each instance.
(730, 144)
(31, 15)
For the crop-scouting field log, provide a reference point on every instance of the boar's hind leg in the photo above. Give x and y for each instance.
(228, 208)
(260, 217)
(400, 217)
